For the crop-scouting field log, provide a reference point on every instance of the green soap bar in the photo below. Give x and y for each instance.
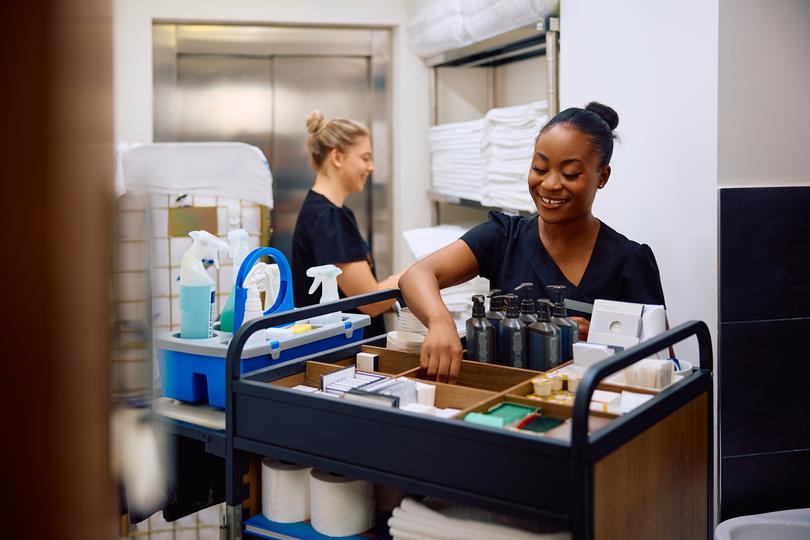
(541, 424)
(510, 412)
(484, 419)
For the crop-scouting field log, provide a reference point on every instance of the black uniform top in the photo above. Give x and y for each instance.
(326, 234)
(509, 252)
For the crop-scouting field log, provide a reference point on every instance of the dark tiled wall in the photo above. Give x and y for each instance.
(764, 357)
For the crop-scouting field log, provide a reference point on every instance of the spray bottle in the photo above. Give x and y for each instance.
(569, 330)
(238, 240)
(325, 276)
(543, 340)
(528, 309)
(197, 288)
(482, 339)
(512, 336)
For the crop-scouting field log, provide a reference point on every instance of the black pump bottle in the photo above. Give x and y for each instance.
(569, 330)
(495, 314)
(482, 340)
(543, 340)
(528, 309)
(512, 333)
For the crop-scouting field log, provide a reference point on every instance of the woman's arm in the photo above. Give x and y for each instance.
(358, 279)
(454, 264)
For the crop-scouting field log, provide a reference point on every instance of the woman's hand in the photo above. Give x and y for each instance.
(441, 351)
(584, 327)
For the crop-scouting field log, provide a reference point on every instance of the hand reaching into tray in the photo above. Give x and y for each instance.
(441, 351)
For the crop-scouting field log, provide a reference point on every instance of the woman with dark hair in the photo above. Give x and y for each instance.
(562, 244)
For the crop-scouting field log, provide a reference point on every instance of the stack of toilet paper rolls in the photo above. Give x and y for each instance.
(335, 504)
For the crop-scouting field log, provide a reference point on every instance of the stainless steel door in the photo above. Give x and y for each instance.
(338, 87)
(258, 83)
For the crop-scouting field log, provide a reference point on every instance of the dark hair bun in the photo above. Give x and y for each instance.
(607, 113)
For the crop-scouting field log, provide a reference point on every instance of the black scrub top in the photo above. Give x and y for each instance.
(509, 252)
(327, 234)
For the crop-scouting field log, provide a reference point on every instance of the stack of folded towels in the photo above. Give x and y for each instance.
(440, 520)
(456, 162)
(508, 149)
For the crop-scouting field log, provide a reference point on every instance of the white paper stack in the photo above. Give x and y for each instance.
(507, 149)
(456, 162)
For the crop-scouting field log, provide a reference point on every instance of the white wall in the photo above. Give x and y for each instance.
(656, 64)
(764, 89)
(133, 78)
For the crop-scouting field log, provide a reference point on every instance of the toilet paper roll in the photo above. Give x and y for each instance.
(285, 491)
(339, 505)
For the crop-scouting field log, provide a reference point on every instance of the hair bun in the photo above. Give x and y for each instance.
(607, 113)
(315, 122)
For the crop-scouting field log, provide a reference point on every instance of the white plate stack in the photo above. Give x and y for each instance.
(409, 342)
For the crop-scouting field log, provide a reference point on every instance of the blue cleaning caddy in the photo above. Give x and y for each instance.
(193, 370)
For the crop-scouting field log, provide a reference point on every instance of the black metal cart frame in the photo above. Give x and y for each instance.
(249, 430)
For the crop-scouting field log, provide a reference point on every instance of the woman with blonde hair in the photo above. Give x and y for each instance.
(326, 231)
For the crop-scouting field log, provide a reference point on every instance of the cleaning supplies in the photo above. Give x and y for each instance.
(495, 312)
(197, 288)
(325, 276)
(481, 336)
(528, 309)
(238, 240)
(543, 340)
(559, 316)
(512, 336)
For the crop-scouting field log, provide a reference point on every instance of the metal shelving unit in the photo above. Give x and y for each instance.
(532, 41)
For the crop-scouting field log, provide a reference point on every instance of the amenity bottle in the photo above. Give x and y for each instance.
(512, 336)
(559, 316)
(543, 340)
(482, 341)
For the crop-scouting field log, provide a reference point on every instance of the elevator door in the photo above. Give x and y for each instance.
(265, 102)
(338, 87)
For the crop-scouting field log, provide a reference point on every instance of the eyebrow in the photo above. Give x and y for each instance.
(564, 162)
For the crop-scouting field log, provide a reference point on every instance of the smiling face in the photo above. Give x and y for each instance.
(565, 175)
(355, 164)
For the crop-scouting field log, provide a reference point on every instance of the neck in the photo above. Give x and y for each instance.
(330, 188)
(569, 232)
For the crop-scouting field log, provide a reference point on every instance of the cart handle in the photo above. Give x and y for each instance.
(609, 366)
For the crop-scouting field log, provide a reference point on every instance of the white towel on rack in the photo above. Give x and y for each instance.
(456, 161)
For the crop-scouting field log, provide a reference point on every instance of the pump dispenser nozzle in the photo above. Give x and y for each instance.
(528, 309)
(325, 276)
(478, 306)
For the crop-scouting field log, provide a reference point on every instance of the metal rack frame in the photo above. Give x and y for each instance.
(249, 396)
(520, 44)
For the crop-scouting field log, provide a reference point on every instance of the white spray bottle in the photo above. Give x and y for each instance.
(238, 239)
(325, 276)
(197, 288)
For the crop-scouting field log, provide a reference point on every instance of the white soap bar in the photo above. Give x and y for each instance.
(603, 396)
(425, 394)
(588, 354)
(418, 408)
(367, 361)
(304, 388)
(446, 413)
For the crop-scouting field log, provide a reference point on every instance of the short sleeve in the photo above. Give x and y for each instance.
(336, 239)
(641, 281)
(488, 242)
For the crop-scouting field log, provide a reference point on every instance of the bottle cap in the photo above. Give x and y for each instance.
(478, 306)
(512, 309)
(496, 302)
(543, 310)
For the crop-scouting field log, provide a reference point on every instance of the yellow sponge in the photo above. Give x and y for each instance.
(301, 328)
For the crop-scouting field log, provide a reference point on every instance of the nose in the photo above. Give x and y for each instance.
(370, 167)
(551, 182)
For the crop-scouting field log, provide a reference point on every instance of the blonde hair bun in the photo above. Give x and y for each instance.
(315, 122)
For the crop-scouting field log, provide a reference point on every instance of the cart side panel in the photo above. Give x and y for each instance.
(491, 466)
(656, 484)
